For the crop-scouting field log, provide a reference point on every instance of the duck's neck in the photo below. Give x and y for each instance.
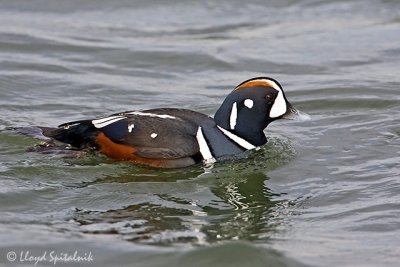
(247, 126)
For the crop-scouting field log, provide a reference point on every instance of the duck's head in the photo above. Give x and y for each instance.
(251, 106)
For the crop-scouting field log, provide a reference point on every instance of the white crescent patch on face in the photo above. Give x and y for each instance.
(279, 107)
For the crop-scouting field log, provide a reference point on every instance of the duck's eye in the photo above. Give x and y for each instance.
(269, 97)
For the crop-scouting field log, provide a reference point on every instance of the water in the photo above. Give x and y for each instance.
(323, 192)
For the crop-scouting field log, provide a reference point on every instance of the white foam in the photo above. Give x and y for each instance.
(298, 116)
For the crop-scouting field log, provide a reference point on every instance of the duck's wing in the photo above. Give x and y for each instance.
(157, 135)
(154, 134)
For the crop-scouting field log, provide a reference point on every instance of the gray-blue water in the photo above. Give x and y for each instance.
(323, 192)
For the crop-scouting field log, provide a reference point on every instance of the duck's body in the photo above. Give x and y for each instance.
(173, 138)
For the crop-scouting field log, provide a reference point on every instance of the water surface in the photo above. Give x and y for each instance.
(323, 192)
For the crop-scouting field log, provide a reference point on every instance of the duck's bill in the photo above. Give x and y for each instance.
(295, 114)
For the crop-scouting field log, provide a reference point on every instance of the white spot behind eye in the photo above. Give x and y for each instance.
(130, 127)
(249, 103)
(153, 135)
(233, 117)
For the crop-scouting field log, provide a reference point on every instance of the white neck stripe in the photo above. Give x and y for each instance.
(203, 146)
(238, 140)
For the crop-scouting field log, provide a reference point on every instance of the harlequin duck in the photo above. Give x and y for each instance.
(173, 138)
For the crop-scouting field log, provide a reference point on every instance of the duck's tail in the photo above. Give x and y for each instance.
(67, 137)
(78, 134)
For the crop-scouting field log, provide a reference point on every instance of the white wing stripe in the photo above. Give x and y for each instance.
(100, 123)
(162, 116)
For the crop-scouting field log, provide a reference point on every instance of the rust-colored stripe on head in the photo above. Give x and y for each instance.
(256, 83)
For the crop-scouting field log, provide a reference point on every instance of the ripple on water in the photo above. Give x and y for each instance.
(147, 205)
(324, 191)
